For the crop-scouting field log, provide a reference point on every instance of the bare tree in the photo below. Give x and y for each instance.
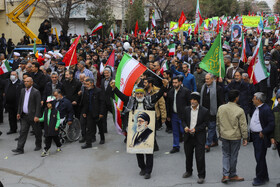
(60, 10)
(170, 10)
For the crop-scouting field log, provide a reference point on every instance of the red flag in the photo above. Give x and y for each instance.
(111, 60)
(249, 13)
(45, 51)
(140, 32)
(136, 29)
(70, 57)
(182, 19)
(218, 27)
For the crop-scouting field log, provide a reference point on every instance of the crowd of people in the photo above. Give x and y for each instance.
(197, 107)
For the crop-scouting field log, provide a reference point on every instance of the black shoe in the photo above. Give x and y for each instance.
(124, 141)
(0, 133)
(174, 150)
(37, 148)
(156, 148)
(11, 132)
(200, 181)
(102, 142)
(83, 140)
(16, 139)
(187, 174)
(169, 131)
(142, 172)
(147, 176)
(86, 146)
(93, 140)
(18, 151)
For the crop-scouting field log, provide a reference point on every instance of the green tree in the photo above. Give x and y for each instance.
(135, 12)
(247, 6)
(210, 8)
(100, 11)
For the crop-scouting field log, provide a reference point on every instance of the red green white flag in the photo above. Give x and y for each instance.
(154, 20)
(257, 70)
(198, 18)
(243, 57)
(171, 48)
(97, 27)
(129, 70)
(164, 67)
(5, 67)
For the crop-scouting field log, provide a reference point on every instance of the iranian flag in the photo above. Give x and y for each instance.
(129, 70)
(198, 18)
(171, 48)
(260, 26)
(226, 45)
(97, 27)
(117, 117)
(257, 70)
(154, 20)
(5, 67)
(164, 67)
(147, 31)
(112, 33)
(189, 30)
(243, 57)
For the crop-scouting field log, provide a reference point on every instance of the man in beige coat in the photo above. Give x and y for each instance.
(232, 127)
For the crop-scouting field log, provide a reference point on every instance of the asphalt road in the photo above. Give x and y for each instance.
(110, 165)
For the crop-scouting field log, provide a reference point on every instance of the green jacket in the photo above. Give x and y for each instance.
(276, 133)
(231, 122)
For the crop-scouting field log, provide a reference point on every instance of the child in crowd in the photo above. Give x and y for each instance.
(51, 119)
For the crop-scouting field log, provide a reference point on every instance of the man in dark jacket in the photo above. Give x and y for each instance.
(38, 77)
(107, 91)
(212, 96)
(64, 107)
(261, 126)
(194, 121)
(93, 108)
(246, 92)
(12, 95)
(51, 86)
(70, 89)
(177, 98)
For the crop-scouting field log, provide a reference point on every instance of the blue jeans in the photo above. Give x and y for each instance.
(177, 128)
(230, 150)
(212, 135)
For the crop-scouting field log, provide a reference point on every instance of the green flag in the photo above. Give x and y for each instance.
(213, 62)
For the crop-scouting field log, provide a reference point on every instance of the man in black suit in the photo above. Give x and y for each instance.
(93, 108)
(107, 91)
(28, 114)
(195, 120)
(143, 131)
(51, 86)
(12, 95)
(262, 125)
(38, 77)
(177, 98)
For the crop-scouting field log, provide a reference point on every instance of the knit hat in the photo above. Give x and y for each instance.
(144, 116)
(195, 96)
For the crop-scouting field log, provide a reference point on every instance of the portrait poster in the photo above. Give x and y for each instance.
(236, 34)
(141, 132)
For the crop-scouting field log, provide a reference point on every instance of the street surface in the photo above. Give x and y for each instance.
(110, 165)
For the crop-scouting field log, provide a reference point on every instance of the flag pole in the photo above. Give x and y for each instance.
(253, 71)
(74, 51)
(155, 74)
